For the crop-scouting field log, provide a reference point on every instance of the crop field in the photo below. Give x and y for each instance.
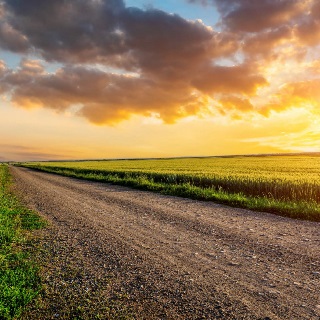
(285, 185)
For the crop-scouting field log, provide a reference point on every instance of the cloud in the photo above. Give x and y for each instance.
(308, 31)
(256, 16)
(36, 156)
(262, 44)
(115, 61)
(158, 56)
(265, 27)
(23, 153)
(102, 97)
(236, 103)
(11, 39)
(303, 94)
(306, 140)
(108, 32)
(65, 30)
(222, 79)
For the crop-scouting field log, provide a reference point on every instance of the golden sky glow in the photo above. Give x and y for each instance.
(115, 79)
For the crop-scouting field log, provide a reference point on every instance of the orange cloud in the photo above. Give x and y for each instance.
(303, 94)
(308, 31)
(237, 79)
(264, 42)
(236, 103)
(118, 61)
(101, 97)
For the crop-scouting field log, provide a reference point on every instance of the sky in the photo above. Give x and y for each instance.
(93, 79)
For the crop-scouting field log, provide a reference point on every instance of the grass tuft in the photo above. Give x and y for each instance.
(19, 279)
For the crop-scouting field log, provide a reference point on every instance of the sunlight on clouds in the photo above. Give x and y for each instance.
(141, 81)
(301, 134)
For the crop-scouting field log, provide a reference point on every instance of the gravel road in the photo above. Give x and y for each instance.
(115, 252)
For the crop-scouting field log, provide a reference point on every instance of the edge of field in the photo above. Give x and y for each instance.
(304, 210)
(35, 265)
(20, 282)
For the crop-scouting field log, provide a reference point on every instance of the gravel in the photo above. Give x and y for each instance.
(111, 252)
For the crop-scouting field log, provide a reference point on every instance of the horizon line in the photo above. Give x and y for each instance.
(311, 153)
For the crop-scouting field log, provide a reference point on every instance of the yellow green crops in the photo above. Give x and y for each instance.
(282, 181)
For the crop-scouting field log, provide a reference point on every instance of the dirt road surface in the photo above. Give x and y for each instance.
(115, 252)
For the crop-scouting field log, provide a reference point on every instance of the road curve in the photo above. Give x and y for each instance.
(169, 257)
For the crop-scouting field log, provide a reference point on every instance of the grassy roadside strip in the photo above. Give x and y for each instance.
(19, 280)
(307, 210)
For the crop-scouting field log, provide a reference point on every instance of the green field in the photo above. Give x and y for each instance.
(285, 185)
(19, 280)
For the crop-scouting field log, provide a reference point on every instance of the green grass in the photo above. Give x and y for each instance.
(19, 280)
(284, 185)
